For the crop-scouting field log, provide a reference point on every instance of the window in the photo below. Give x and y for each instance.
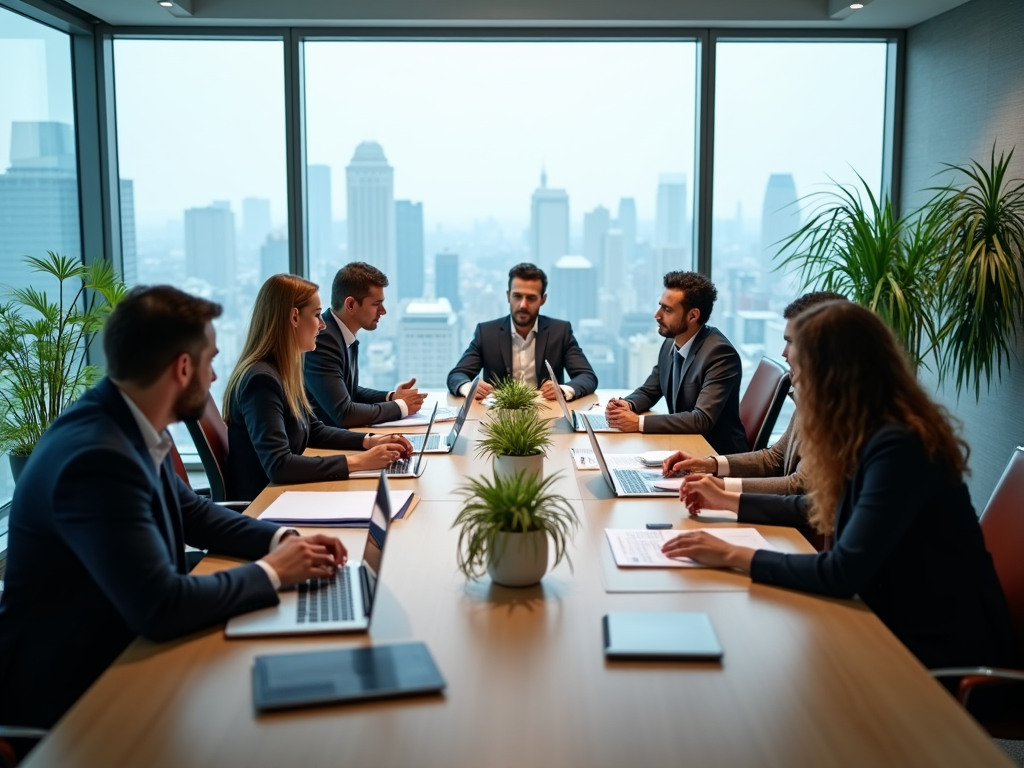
(446, 163)
(38, 164)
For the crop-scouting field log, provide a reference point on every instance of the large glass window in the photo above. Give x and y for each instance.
(38, 165)
(446, 163)
(201, 150)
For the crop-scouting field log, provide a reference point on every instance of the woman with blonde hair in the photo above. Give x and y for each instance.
(884, 472)
(270, 420)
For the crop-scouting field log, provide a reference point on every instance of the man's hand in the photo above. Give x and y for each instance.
(547, 389)
(709, 550)
(483, 390)
(702, 492)
(680, 462)
(621, 417)
(407, 391)
(299, 558)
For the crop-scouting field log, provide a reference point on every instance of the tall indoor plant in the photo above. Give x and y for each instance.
(43, 343)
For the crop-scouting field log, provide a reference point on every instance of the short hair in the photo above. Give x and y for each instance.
(808, 300)
(527, 271)
(355, 279)
(698, 292)
(150, 328)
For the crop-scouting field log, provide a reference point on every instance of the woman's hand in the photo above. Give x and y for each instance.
(709, 550)
(703, 492)
(397, 442)
(680, 462)
(377, 457)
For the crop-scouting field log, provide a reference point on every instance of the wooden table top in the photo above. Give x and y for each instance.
(804, 681)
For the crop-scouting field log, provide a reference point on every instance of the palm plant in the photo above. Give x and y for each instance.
(519, 503)
(513, 395)
(43, 344)
(514, 433)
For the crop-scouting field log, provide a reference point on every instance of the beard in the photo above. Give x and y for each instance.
(191, 404)
(523, 319)
(670, 332)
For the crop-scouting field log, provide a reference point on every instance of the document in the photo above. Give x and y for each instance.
(333, 509)
(642, 548)
(584, 459)
(422, 417)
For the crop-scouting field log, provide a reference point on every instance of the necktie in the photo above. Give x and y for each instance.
(353, 366)
(677, 380)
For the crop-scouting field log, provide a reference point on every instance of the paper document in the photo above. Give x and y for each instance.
(422, 417)
(584, 459)
(334, 509)
(642, 548)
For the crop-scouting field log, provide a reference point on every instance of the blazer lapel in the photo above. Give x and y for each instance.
(698, 342)
(540, 345)
(505, 345)
(173, 508)
(665, 370)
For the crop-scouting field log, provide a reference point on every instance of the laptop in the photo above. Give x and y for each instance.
(343, 603)
(597, 420)
(437, 443)
(624, 481)
(400, 468)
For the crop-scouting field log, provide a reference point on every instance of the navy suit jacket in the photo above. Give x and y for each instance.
(96, 557)
(491, 349)
(709, 398)
(327, 374)
(907, 540)
(265, 441)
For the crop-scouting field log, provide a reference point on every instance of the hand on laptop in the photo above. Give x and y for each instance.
(413, 397)
(483, 390)
(702, 492)
(394, 442)
(299, 558)
(680, 462)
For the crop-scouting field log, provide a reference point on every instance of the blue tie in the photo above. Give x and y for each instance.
(677, 380)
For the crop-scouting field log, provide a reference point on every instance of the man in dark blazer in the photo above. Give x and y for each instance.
(698, 372)
(100, 520)
(518, 345)
(332, 369)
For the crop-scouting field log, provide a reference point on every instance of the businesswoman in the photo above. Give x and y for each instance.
(270, 420)
(884, 472)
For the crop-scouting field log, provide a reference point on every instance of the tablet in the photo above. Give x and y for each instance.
(660, 636)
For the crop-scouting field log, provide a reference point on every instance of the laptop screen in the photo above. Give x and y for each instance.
(597, 452)
(460, 419)
(373, 552)
(426, 439)
(559, 396)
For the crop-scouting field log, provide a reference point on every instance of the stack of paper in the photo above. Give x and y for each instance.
(642, 548)
(333, 509)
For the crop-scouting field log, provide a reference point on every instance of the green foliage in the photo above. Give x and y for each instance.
(43, 341)
(520, 503)
(514, 395)
(514, 433)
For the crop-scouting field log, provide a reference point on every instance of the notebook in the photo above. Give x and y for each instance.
(333, 509)
(660, 636)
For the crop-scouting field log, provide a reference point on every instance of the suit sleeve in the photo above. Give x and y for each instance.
(469, 364)
(762, 471)
(721, 377)
(582, 378)
(326, 385)
(211, 526)
(894, 470)
(647, 394)
(261, 400)
(323, 436)
(774, 509)
(103, 507)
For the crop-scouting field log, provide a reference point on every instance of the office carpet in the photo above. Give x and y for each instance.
(1015, 749)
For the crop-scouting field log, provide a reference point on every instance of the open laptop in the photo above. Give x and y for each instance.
(597, 420)
(437, 443)
(340, 604)
(624, 481)
(411, 467)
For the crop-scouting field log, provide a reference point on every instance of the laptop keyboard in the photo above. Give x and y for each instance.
(326, 599)
(432, 444)
(632, 481)
(399, 467)
(597, 421)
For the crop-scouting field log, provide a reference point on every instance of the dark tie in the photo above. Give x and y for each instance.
(677, 380)
(353, 366)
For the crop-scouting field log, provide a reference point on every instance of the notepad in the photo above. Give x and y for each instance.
(660, 636)
(642, 548)
(333, 509)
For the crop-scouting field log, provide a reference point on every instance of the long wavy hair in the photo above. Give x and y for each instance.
(853, 378)
(271, 339)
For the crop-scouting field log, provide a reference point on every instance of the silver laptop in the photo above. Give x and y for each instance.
(411, 467)
(437, 443)
(624, 481)
(340, 604)
(597, 420)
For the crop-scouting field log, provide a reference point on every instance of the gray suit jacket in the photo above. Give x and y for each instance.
(709, 395)
(773, 470)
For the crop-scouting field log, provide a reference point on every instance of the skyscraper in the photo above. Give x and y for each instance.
(273, 255)
(446, 279)
(370, 184)
(549, 224)
(409, 248)
(614, 270)
(427, 342)
(255, 223)
(780, 217)
(573, 289)
(129, 246)
(626, 221)
(210, 245)
(671, 222)
(320, 245)
(595, 227)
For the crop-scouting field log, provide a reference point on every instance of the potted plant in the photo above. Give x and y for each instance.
(43, 345)
(506, 525)
(517, 440)
(514, 395)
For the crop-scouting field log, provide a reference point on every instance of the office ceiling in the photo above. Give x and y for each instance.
(807, 14)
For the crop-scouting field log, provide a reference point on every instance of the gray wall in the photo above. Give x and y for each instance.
(964, 91)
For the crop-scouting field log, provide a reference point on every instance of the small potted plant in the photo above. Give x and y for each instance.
(514, 395)
(505, 527)
(518, 441)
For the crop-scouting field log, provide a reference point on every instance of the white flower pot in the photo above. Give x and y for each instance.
(518, 559)
(506, 466)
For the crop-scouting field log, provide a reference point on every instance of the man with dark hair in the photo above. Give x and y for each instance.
(518, 345)
(698, 372)
(99, 520)
(332, 369)
(772, 470)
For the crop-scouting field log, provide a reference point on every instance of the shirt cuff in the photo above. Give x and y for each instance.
(464, 389)
(275, 580)
(640, 427)
(568, 391)
(733, 484)
(723, 466)
(275, 541)
(402, 407)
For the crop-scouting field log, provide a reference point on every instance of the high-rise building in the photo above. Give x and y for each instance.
(626, 221)
(210, 244)
(780, 217)
(595, 227)
(129, 243)
(427, 342)
(614, 270)
(672, 222)
(549, 224)
(273, 255)
(255, 224)
(409, 249)
(320, 250)
(38, 200)
(370, 183)
(573, 289)
(446, 279)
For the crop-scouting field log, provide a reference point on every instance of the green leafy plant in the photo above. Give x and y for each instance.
(520, 503)
(514, 395)
(514, 433)
(43, 342)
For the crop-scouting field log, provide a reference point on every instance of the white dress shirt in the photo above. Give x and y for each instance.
(524, 360)
(682, 351)
(350, 337)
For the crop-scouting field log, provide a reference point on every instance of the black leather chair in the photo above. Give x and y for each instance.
(763, 400)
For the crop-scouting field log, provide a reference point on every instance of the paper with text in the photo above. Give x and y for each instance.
(642, 548)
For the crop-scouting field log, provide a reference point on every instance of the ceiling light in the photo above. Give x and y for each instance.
(166, 3)
(855, 6)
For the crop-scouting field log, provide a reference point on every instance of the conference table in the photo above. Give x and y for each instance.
(804, 681)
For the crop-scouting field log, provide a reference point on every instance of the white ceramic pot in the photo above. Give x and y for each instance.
(506, 466)
(518, 559)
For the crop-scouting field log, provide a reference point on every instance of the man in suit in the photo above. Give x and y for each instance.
(518, 345)
(100, 520)
(698, 372)
(332, 369)
(772, 470)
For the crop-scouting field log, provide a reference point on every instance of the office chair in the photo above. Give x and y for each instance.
(761, 403)
(179, 465)
(1002, 524)
(8, 757)
(210, 434)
